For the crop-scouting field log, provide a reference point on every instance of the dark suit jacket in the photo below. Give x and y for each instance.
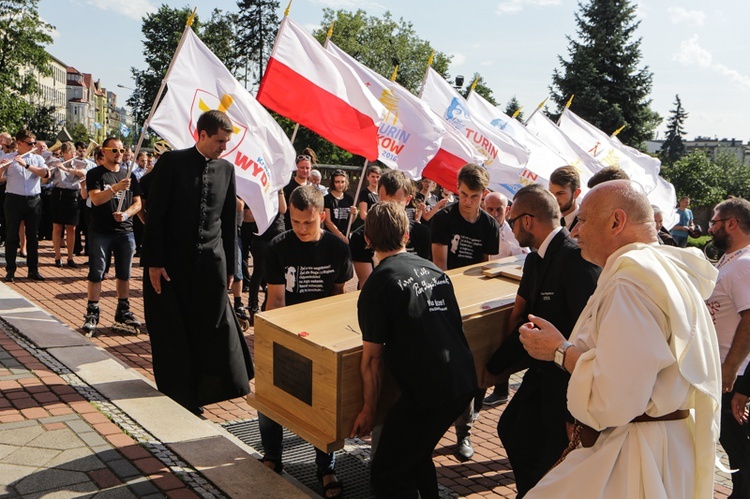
(532, 427)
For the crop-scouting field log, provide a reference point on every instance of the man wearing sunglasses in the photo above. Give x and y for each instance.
(729, 305)
(111, 232)
(556, 284)
(23, 203)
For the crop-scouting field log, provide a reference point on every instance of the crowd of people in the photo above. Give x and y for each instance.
(635, 349)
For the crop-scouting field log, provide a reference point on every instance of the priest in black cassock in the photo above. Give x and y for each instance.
(190, 256)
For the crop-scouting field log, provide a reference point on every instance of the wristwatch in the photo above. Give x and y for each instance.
(560, 354)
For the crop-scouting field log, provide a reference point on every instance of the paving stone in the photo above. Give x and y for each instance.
(31, 456)
(21, 435)
(142, 487)
(60, 419)
(20, 424)
(49, 479)
(80, 490)
(120, 492)
(7, 449)
(80, 426)
(11, 473)
(124, 469)
(58, 439)
(80, 459)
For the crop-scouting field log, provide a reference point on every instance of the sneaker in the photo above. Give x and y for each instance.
(464, 449)
(494, 399)
(58, 263)
(72, 264)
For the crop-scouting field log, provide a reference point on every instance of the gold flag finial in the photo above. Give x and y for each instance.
(619, 129)
(541, 105)
(432, 57)
(191, 18)
(288, 8)
(517, 112)
(395, 72)
(330, 30)
(570, 101)
(474, 83)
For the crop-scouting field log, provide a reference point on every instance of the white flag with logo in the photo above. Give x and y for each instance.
(410, 134)
(642, 169)
(549, 133)
(504, 158)
(261, 153)
(542, 159)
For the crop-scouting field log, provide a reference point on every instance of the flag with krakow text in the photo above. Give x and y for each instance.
(261, 153)
(309, 85)
(411, 133)
(542, 159)
(504, 158)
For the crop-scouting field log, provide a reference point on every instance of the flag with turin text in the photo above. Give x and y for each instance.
(259, 149)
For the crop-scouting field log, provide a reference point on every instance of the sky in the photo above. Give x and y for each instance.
(695, 49)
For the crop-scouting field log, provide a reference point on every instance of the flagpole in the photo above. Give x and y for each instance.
(567, 106)
(356, 197)
(163, 85)
(426, 72)
(541, 105)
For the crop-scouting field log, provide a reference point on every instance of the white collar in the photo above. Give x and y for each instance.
(545, 244)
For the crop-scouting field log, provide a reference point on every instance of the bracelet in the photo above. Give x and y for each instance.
(112, 188)
(26, 166)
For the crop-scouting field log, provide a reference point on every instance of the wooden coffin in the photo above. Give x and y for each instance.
(307, 356)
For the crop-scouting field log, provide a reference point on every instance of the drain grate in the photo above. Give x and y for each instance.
(299, 460)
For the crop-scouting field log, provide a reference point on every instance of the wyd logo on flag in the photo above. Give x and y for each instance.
(204, 101)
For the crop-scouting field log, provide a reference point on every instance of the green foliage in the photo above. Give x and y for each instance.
(79, 133)
(735, 175)
(481, 88)
(41, 121)
(23, 37)
(695, 175)
(673, 148)
(610, 89)
(512, 106)
(219, 36)
(382, 43)
(257, 24)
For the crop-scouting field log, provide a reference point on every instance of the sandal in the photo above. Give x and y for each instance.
(331, 486)
(278, 467)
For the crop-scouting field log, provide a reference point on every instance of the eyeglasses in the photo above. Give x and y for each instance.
(303, 157)
(31, 143)
(711, 223)
(511, 221)
(114, 150)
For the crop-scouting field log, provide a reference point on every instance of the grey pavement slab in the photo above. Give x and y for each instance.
(7, 449)
(61, 439)
(20, 436)
(121, 492)
(31, 456)
(234, 471)
(11, 473)
(49, 479)
(123, 469)
(142, 487)
(80, 459)
(78, 491)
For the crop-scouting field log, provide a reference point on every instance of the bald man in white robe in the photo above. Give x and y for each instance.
(643, 358)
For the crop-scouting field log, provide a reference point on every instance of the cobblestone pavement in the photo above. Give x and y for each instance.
(63, 295)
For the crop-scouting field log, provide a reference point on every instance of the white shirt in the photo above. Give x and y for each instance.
(570, 217)
(730, 297)
(545, 244)
(508, 244)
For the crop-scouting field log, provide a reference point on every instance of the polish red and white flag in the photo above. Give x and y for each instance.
(315, 88)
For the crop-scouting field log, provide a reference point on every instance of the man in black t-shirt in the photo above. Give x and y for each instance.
(304, 166)
(303, 264)
(393, 185)
(464, 234)
(111, 232)
(411, 325)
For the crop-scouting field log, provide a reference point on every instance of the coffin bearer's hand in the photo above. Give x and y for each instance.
(540, 338)
(363, 423)
(155, 275)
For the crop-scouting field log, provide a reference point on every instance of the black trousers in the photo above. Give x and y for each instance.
(27, 209)
(259, 247)
(402, 466)
(735, 439)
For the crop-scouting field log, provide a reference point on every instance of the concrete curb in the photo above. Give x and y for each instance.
(227, 462)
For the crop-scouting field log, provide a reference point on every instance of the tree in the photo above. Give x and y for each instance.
(610, 89)
(382, 43)
(219, 36)
(512, 106)
(79, 133)
(257, 24)
(23, 37)
(673, 148)
(695, 175)
(480, 87)
(41, 121)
